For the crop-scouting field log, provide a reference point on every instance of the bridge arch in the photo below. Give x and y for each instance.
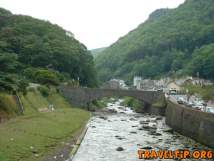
(80, 97)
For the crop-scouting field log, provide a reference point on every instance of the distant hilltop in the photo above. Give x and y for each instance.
(96, 52)
(172, 42)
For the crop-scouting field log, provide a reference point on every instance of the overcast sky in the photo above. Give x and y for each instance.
(96, 23)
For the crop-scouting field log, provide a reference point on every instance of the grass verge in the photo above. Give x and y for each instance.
(30, 137)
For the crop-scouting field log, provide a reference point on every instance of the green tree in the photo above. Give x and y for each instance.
(8, 62)
(46, 77)
(203, 62)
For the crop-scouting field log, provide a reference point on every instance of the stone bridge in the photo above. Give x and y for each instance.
(83, 96)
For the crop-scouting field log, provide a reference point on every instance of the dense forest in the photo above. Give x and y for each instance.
(33, 50)
(171, 42)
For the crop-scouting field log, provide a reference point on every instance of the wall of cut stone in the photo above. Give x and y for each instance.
(192, 123)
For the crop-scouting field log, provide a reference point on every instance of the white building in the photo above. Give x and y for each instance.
(137, 82)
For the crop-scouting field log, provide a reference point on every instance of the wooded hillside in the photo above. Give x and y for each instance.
(172, 41)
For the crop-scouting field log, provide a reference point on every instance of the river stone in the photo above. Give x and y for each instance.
(187, 146)
(134, 126)
(141, 122)
(167, 142)
(147, 147)
(119, 137)
(153, 120)
(168, 130)
(112, 111)
(154, 126)
(137, 116)
(133, 132)
(144, 122)
(120, 149)
(157, 134)
(175, 136)
(103, 117)
(152, 132)
(145, 127)
(132, 119)
(159, 118)
(123, 112)
(149, 128)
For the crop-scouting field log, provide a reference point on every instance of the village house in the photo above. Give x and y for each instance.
(143, 84)
(199, 81)
(173, 87)
(147, 84)
(193, 80)
(116, 84)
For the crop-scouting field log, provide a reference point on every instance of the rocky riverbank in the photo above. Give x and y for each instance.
(117, 133)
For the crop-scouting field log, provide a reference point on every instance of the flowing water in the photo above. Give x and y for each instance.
(119, 134)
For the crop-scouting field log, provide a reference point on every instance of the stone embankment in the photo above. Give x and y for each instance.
(190, 122)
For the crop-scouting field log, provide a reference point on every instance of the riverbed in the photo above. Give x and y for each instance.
(117, 133)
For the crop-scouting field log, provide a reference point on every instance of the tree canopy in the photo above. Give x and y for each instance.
(26, 42)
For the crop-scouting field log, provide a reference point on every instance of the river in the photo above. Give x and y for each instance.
(119, 134)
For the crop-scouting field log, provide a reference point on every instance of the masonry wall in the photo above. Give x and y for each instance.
(82, 96)
(192, 123)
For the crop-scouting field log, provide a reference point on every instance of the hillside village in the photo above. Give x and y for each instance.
(175, 89)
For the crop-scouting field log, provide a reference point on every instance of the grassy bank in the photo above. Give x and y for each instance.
(31, 136)
(8, 107)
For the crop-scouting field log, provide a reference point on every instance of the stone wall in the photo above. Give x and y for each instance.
(192, 123)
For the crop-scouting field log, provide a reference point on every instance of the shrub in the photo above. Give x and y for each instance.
(22, 86)
(44, 91)
(135, 104)
(29, 73)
